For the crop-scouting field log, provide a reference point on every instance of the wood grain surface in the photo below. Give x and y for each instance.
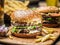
(28, 41)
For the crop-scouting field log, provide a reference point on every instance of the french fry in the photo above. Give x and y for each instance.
(52, 35)
(17, 3)
(38, 40)
(5, 10)
(9, 12)
(39, 37)
(9, 8)
(10, 37)
(43, 33)
(11, 4)
(45, 38)
(9, 33)
(44, 30)
(50, 31)
(21, 6)
(21, 3)
(52, 38)
(26, 2)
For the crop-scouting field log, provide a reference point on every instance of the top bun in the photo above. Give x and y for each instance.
(25, 16)
(47, 9)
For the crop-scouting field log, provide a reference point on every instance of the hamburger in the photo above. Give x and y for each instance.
(50, 15)
(26, 23)
(51, 19)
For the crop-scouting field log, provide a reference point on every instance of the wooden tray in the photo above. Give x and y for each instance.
(26, 41)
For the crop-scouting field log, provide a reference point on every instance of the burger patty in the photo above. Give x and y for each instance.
(23, 27)
(48, 19)
(20, 23)
(49, 22)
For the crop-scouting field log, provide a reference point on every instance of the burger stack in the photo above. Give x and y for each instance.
(50, 16)
(26, 23)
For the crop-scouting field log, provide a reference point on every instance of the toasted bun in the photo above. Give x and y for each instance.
(47, 9)
(25, 16)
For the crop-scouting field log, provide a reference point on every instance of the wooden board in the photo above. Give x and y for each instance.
(16, 40)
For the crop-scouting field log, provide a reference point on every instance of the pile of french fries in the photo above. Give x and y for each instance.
(45, 38)
(47, 34)
(13, 5)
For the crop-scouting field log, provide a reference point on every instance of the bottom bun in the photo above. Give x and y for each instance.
(50, 25)
(24, 35)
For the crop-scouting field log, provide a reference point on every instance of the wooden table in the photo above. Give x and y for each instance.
(27, 41)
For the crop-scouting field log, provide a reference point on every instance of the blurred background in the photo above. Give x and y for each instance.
(36, 3)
